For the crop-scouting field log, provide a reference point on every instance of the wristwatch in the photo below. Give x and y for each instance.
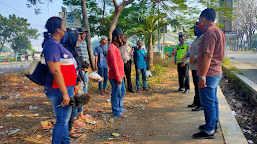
(202, 78)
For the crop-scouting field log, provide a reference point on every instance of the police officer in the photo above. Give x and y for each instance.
(182, 64)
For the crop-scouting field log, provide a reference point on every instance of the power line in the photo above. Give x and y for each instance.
(17, 10)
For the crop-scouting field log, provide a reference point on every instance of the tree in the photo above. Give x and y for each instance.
(17, 33)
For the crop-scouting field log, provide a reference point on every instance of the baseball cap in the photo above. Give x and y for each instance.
(82, 30)
(139, 41)
(117, 32)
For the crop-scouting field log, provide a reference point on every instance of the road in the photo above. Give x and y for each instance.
(6, 67)
(246, 62)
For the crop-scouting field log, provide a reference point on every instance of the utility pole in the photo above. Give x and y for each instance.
(159, 45)
(88, 38)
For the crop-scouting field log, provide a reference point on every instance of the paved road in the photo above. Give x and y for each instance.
(6, 67)
(246, 62)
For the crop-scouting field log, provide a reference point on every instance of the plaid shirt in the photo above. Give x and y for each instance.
(82, 49)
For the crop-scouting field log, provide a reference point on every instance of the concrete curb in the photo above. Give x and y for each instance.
(230, 129)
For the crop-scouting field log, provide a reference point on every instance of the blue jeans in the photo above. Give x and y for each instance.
(103, 72)
(117, 96)
(60, 133)
(143, 71)
(85, 75)
(210, 104)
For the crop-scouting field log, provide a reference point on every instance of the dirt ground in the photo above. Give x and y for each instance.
(24, 106)
(246, 114)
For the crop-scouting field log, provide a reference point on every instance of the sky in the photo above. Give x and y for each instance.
(19, 8)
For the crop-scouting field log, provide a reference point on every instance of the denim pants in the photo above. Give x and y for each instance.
(143, 71)
(117, 96)
(85, 75)
(103, 72)
(60, 133)
(210, 104)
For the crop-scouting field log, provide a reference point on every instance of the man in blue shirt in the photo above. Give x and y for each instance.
(100, 53)
(140, 65)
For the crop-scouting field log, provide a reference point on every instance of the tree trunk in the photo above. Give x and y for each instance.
(150, 51)
(114, 22)
(15, 55)
(88, 38)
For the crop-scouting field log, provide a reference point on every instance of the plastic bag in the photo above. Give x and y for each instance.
(96, 77)
(148, 74)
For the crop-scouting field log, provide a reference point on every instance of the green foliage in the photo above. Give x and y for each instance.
(226, 62)
(158, 70)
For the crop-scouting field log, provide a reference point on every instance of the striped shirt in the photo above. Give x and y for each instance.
(82, 49)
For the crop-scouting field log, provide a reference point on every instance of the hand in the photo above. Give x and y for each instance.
(183, 65)
(66, 100)
(192, 61)
(119, 82)
(85, 70)
(138, 71)
(96, 68)
(202, 84)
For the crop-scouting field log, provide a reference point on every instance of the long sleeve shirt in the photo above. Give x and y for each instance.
(115, 63)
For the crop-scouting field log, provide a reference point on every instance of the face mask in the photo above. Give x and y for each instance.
(181, 40)
(198, 32)
(200, 25)
(65, 37)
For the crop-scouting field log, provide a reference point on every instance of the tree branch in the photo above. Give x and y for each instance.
(115, 3)
(125, 3)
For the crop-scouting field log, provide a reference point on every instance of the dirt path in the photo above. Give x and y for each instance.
(158, 116)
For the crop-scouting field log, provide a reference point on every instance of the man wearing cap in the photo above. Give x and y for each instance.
(116, 73)
(127, 53)
(182, 65)
(140, 65)
(100, 53)
(193, 66)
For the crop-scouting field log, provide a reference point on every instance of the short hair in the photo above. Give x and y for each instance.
(209, 14)
(103, 37)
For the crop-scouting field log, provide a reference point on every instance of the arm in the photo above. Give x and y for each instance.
(175, 57)
(96, 57)
(55, 70)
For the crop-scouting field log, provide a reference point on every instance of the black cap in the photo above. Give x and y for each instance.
(82, 30)
(117, 32)
(196, 24)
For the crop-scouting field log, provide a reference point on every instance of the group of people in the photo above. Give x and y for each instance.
(67, 60)
(204, 57)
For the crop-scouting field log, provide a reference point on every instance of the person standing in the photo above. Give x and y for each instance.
(116, 73)
(100, 53)
(61, 77)
(83, 52)
(193, 66)
(182, 65)
(209, 70)
(140, 65)
(127, 53)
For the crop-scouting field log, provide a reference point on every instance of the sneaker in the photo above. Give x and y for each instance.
(179, 90)
(186, 91)
(203, 135)
(215, 130)
(198, 108)
(138, 91)
(145, 90)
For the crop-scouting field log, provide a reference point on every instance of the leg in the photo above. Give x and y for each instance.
(187, 79)
(60, 132)
(105, 78)
(80, 112)
(85, 89)
(197, 97)
(115, 97)
(123, 91)
(71, 118)
(144, 78)
(101, 73)
(180, 76)
(137, 80)
(129, 76)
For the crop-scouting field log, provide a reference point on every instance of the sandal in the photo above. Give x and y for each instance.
(80, 124)
(80, 131)
(75, 135)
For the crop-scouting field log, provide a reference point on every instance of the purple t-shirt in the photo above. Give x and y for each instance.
(55, 52)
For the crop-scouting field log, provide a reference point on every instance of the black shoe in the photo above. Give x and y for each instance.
(198, 108)
(186, 91)
(192, 105)
(132, 91)
(179, 90)
(215, 130)
(203, 135)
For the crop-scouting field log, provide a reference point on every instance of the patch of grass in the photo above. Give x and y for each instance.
(226, 62)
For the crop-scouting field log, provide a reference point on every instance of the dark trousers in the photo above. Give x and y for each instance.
(183, 76)
(127, 69)
(197, 97)
(70, 123)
